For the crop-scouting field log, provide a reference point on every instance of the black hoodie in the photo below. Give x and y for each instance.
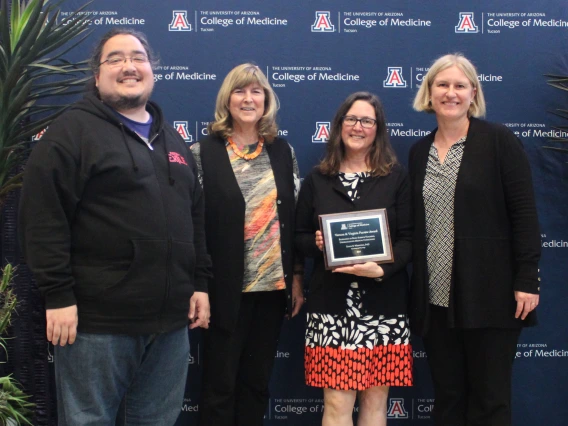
(113, 226)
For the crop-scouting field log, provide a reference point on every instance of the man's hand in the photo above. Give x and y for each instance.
(62, 325)
(297, 294)
(199, 310)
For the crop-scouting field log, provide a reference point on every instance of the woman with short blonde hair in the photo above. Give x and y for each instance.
(422, 100)
(476, 248)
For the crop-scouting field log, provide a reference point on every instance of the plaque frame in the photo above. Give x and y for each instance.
(332, 260)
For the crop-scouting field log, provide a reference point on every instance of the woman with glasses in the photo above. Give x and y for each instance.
(476, 248)
(250, 180)
(357, 337)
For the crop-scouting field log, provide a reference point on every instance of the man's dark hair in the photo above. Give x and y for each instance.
(95, 61)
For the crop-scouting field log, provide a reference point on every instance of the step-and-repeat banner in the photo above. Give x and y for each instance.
(315, 54)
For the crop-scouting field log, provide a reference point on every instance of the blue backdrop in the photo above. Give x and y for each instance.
(315, 54)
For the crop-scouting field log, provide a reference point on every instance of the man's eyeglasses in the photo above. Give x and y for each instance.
(116, 61)
(366, 122)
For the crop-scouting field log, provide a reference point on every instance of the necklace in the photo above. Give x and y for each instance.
(247, 157)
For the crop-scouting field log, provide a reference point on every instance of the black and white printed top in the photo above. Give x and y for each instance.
(438, 192)
(350, 182)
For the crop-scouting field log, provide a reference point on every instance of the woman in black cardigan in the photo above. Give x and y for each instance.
(476, 248)
(250, 179)
(357, 337)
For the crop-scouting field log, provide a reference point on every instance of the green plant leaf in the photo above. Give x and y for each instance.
(38, 33)
(5, 26)
(50, 67)
(69, 82)
(14, 404)
(557, 76)
(558, 86)
(34, 24)
(15, 22)
(554, 148)
(71, 47)
(38, 125)
(33, 69)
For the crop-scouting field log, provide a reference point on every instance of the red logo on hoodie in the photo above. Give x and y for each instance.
(176, 158)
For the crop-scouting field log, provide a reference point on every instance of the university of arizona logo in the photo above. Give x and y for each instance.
(466, 24)
(394, 78)
(179, 21)
(181, 128)
(38, 136)
(322, 132)
(176, 158)
(396, 409)
(323, 23)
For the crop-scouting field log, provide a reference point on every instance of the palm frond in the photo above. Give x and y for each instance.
(33, 42)
(559, 82)
(14, 403)
(554, 148)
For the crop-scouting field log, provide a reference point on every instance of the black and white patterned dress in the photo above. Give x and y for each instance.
(354, 351)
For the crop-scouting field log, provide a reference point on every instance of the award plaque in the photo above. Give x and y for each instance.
(356, 237)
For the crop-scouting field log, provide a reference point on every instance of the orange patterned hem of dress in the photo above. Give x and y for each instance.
(355, 351)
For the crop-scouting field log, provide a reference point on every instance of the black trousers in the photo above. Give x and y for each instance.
(237, 366)
(471, 371)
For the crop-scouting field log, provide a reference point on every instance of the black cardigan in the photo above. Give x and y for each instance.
(322, 194)
(497, 238)
(225, 219)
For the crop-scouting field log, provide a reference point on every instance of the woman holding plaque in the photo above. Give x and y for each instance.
(357, 337)
(476, 248)
(250, 178)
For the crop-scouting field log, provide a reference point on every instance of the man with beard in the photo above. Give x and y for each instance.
(112, 225)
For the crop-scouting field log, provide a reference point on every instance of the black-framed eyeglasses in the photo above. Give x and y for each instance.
(116, 61)
(366, 122)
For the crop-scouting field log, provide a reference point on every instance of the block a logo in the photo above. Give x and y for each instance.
(38, 136)
(323, 23)
(466, 24)
(181, 128)
(322, 132)
(394, 78)
(396, 409)
(179, 21)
